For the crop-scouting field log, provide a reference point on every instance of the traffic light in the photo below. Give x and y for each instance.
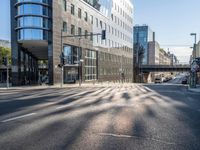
(103, 35)
(5, 61)
(63, 60)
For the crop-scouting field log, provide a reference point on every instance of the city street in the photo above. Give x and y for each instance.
(103, 117)
(177, 79)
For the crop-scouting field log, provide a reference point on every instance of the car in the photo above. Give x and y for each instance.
(158, 80)
(184, 81)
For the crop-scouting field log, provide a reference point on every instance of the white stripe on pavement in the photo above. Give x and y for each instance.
(19, 117)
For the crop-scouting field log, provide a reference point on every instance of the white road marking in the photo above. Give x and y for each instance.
(19, 117)
(132, 136)
(60, 107)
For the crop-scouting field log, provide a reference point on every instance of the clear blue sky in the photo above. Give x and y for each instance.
(5, 19)
(172, 20)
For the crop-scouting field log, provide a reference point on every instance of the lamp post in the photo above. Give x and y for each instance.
(61, 74)
(193, 73)
(80, 71)
(195, 42)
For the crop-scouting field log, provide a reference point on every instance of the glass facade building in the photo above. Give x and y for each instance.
(43, 29)
(33, 19)
(143, 35)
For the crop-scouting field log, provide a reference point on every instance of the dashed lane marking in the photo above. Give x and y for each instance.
(135, 136)
(19, 117)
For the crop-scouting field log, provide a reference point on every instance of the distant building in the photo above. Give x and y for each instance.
(142, 36)
(153, 48)
(5, 43)
(164, 58)
(173, 59)
(196, 53)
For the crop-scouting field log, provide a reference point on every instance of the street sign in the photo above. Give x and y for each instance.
(194, 67)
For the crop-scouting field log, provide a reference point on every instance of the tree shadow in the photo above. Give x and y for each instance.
(126, 96)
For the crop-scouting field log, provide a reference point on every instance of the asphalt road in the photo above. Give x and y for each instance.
(115, 117)
(177, 80)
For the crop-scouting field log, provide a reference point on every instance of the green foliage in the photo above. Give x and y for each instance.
(4, 51)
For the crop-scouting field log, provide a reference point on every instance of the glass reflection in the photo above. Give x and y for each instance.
(39, 1)
(33, 9)
(32, 34)
(30, 21)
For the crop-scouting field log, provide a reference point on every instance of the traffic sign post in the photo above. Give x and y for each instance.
(193, 74)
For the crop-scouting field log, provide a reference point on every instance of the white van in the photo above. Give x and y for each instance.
(158, 80)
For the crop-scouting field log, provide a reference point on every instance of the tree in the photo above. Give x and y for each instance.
(5, 52)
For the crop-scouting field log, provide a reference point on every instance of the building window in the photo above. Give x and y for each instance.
(91, 19)
(72, 9)
(86, 34)
(79, 13)
(72, 29)
(86, 16)
(90, 65)
(112, 17)
(79, 31)
(64, 26)
(97, 22)
(65, 5)
(91, 36)
(101, 24)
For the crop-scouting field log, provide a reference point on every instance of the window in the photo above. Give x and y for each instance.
(91, 36)
(72, 9)
(65, 5)
(79, 31)
(96, 22)
(86, 16)
(91, 19)
(72, 29)
(86, 32)
(90, 65)
(101, 24)
(64, 26)
(79, 13)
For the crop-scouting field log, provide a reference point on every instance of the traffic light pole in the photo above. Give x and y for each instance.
(7, 66)
(79, 68)
(61, 84)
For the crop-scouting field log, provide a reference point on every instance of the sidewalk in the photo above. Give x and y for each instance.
(197, 89)
(83, 85)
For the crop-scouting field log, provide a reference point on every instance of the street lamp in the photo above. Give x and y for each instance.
(195, 37)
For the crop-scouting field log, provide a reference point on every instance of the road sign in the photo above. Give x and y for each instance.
(194, 67)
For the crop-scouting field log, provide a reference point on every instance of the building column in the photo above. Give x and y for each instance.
(50, 64)
(14, 46)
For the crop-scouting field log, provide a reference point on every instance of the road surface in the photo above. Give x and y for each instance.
(111, 117)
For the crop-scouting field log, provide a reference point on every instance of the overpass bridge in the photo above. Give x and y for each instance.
(164, 68)
(142, 72)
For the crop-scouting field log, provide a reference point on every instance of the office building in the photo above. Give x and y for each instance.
(38, 25)
(196, 52)
(142, 36)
